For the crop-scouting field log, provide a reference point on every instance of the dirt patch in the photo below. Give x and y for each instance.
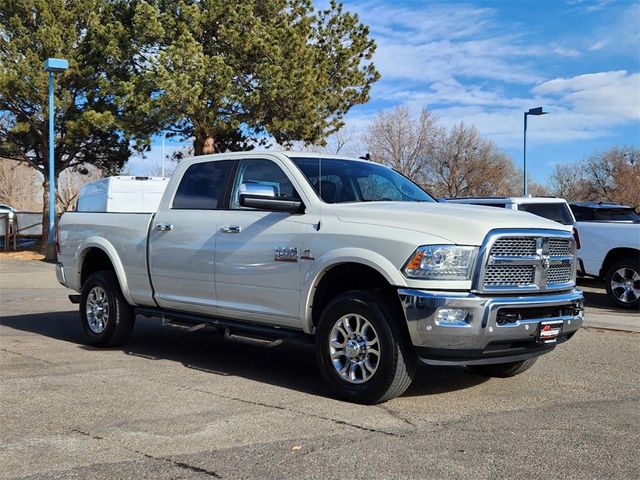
(24, 255)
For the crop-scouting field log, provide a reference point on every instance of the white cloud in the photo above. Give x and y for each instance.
(566, 51)
(613, 95)
(599, 45)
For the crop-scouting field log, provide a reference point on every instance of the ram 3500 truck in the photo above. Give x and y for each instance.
(347, 253)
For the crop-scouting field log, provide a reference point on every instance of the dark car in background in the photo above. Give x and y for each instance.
(603, 212)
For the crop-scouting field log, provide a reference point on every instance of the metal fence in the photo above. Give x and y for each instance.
(19, 230)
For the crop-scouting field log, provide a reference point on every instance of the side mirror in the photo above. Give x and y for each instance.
(263, 197)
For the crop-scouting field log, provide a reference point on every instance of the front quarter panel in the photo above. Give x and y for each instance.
(382, 248)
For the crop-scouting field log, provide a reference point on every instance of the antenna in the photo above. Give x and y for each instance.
(319, 192)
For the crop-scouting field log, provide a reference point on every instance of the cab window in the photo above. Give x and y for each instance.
(202, 186)
(264, 173)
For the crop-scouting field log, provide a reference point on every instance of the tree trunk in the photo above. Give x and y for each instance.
(204, 145)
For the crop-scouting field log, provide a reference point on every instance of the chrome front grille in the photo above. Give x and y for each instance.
(560, 247)
(558, 274)
(535, 260)
(507, 275)
(514, 246)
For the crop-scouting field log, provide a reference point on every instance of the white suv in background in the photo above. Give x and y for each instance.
(556, 209)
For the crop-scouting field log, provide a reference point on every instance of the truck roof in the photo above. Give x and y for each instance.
(510, 199)
(599, 205)
(288, 153)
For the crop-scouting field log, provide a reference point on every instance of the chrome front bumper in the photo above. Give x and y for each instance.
(485, 336)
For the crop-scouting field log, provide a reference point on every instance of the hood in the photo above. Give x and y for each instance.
(460, 224)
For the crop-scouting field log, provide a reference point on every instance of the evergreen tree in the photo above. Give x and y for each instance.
(230, 75)
(98, 117)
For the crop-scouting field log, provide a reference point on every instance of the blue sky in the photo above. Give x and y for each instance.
(486, 62)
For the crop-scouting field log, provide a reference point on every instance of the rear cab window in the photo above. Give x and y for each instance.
(558, 212)
(616, 215)
(203, 186)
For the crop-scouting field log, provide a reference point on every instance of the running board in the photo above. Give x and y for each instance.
(251, 339)
(184, 326)
(234, 330)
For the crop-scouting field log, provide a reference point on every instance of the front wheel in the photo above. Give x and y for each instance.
(362, 351)
(107, 319)
(503, 370)
(622, 282)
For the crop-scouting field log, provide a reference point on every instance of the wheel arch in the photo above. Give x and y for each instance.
(617, 254)
(342, 272)
(97, 254)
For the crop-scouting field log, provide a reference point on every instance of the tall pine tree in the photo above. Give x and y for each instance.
(230, 75)
(98, 116)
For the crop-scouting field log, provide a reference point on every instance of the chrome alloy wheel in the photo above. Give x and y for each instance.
(354, 348)
(97, 309)
(625, 285)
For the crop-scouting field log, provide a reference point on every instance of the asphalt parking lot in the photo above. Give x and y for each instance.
(176, 405)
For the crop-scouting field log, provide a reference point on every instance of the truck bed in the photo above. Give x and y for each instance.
(124, 233)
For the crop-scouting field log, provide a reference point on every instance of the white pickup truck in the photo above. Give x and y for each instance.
(610, 249)
(346, 253)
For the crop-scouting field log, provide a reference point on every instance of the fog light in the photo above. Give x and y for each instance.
(452, 317)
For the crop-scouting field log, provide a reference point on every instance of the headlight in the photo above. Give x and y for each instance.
(441, 262)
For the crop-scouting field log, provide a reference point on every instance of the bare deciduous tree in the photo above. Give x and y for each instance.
(343, 142)
(20, 185)
(402, 141)
(567, 181)
(466, 164)
(70, 182)
(612, 175)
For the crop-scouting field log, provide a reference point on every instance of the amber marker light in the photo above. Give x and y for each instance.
(414, 264)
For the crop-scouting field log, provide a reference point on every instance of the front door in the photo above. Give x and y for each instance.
(257, 252)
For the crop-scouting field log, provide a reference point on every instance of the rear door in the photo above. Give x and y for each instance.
(183, 236)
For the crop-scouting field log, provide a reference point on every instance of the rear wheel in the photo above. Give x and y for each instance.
(107, 319)
(622, 282)
(362, 351)
(503, 370)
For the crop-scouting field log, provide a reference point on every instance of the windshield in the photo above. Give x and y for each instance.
(558, 212)
(341, 181)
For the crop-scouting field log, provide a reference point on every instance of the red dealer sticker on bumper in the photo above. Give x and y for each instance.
(549, 331)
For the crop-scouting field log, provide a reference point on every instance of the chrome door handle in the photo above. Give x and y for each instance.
(164, 227)
(228, 229)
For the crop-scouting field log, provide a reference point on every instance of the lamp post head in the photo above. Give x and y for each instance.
(55, 65)
(536, 111)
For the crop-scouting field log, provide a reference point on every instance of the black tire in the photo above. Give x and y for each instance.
(115, 327)
(396, 363)
(503, 370)
(618, 296)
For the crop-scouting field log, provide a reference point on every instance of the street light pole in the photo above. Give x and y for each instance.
(525, 189)
(51, 66)
(52, 189)
(532, 111)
